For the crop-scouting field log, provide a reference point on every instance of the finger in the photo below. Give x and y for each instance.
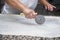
(50, 8)
(28, 17)
(34, 14)
(46, 7)
(54, 7)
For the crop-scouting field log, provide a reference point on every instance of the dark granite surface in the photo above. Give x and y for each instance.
(25, 37)
(41, 10)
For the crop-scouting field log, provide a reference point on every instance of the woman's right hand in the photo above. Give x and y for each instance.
(29, 13)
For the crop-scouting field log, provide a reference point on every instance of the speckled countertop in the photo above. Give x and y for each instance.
(19, 25)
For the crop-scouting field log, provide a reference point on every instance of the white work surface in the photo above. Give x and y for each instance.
(19, 25)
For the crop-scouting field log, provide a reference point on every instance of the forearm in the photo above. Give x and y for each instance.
(44, 2)
(16, 4)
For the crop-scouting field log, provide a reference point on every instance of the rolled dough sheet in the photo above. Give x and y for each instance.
(19, 25)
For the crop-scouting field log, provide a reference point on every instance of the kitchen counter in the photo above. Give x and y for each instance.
(19, 25)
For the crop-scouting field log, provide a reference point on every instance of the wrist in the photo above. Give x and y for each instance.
(24, 10)
(45, 3)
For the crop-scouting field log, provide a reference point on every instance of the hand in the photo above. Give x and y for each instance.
(29, 13)
(49, 7)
